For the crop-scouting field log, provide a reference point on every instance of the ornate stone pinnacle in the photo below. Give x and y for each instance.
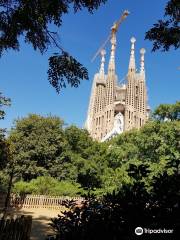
(133, 40)
(132, 65)
(142, 51)
(103, 52)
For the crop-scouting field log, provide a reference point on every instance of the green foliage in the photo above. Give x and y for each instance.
(64, 166)
(137, 172)
(167, 112)
(146, 154)
(65, 188)
(82, 161)
(3, 102)
(166, 33)
(64, 69)
(3, 153)
(90, 162)
(40, 146)
(78, 139)
(47, 185)
(115, 179)
(43, 185)
(89, 175)
(22, 187)
(3, 181)
(36, 141)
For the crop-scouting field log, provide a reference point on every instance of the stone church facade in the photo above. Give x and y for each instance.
(113, 107)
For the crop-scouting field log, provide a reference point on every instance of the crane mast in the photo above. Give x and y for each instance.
(114, 30)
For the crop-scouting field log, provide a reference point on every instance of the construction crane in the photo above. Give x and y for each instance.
(114, 30)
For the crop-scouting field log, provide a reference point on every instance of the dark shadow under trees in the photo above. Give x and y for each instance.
(116, 215)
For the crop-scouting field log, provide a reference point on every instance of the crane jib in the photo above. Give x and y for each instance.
(114, 29)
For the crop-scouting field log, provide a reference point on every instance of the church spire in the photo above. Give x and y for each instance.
(142, 70)
(112, 56)
(132, 66)
(101, 71)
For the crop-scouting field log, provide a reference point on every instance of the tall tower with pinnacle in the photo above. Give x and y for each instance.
(115, 108)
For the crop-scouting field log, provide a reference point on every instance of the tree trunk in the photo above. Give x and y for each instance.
(7, 200)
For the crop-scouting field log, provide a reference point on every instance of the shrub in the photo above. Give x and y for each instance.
(67, 189)
(22, 187)
(47, 185)
(43, 185)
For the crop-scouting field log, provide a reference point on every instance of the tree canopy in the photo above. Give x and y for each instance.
(31, 20)
(168, 112)
(42, 145)
(166, 33)
(135, 177)
(36, 141)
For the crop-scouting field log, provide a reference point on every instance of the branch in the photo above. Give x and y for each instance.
(54, 40)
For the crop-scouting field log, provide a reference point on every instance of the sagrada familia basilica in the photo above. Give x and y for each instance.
(113, 107)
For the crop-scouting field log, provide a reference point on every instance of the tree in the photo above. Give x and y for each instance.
(3, 102)
(3, 163)
(89, 176)
(33, 143)
(167, 112)
(3, 144)
(78, 139)
(36, 142)
(87, 156)
(40, 146)
(144, 155)
(32, 20)
(166, 33)
(3, 153)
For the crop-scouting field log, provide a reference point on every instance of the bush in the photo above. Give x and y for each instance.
(116, 215)
(43, 185)
(47, 185)
(22, 187)
(65, 188)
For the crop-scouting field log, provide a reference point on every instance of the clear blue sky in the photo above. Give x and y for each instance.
(23, 75)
